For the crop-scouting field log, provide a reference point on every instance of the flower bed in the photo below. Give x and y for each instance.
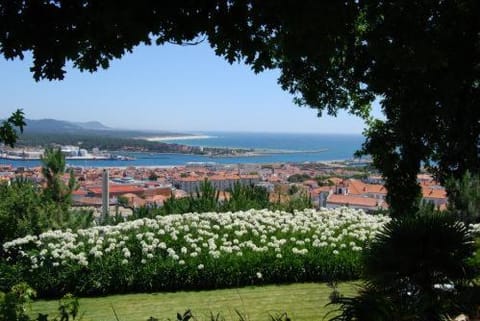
(195, 251)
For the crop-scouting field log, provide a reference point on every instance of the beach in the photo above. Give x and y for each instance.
(168, 138)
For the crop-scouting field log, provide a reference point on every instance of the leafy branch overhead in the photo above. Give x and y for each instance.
(9, 127)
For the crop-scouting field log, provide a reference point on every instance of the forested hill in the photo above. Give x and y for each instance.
(53, 125)
(91, 134)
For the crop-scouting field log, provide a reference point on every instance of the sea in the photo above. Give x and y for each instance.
(273, 147)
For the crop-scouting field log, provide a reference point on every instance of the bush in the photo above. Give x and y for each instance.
(24, 210)
(417, 268)
(13, 303)
(206, 199)
(464, 198)
(195, 251)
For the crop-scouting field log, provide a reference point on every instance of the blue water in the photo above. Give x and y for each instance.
(307, 147)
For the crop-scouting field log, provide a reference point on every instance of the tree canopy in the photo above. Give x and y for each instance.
(421, 58)
(10, 127)
(54, 167)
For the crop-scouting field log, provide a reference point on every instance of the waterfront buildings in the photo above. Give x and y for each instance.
(329, 186)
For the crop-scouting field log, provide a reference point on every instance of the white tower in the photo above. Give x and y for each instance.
(105, 195)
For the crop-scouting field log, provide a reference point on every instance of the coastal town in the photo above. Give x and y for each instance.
(328, 184)
(98, 148)
(70, 152)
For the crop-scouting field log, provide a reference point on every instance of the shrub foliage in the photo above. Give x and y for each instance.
(194, 251)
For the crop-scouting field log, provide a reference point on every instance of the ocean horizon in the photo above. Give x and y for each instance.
(281, 148)
(270, 141)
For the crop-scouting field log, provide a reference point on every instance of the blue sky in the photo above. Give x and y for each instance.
(170, 88)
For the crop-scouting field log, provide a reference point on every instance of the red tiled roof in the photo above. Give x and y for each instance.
(356, 187)
(376, 188)
(130, 195)
(157, 198)
(322, 189)
(433, 192)
(79, 192)
(352, 200)
(223, 177)
(117, 189)
(249, 176)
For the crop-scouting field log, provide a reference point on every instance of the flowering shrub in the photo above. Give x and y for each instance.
(196, 251)
(475, 229)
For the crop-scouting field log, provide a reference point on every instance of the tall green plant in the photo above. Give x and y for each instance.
(205, 199)
(175, 205)
(464, 197)
(296, 202)
(418, 268)
(19, 210)
(53, 169)
(24, 210)
(245, 197)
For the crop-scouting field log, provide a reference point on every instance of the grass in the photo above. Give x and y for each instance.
(301, 301)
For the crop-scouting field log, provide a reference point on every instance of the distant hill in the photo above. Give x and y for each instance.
(53, 125)
(50, 126)
(92, 125)
(93, 134)
(89, 128)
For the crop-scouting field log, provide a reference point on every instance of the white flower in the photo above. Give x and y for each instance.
(194, 254)
(201, 266)
(243, 233)
(259, 275)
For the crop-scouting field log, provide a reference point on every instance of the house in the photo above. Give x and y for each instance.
(133, 200)
(156, 199)
(365, 203)
(364, 195)
(437, 196)
(221, 181)
(359, 188)
(116, 190)
(320, 194)
(188, 184)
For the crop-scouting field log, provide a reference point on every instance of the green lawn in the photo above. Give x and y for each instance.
(302, 302)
